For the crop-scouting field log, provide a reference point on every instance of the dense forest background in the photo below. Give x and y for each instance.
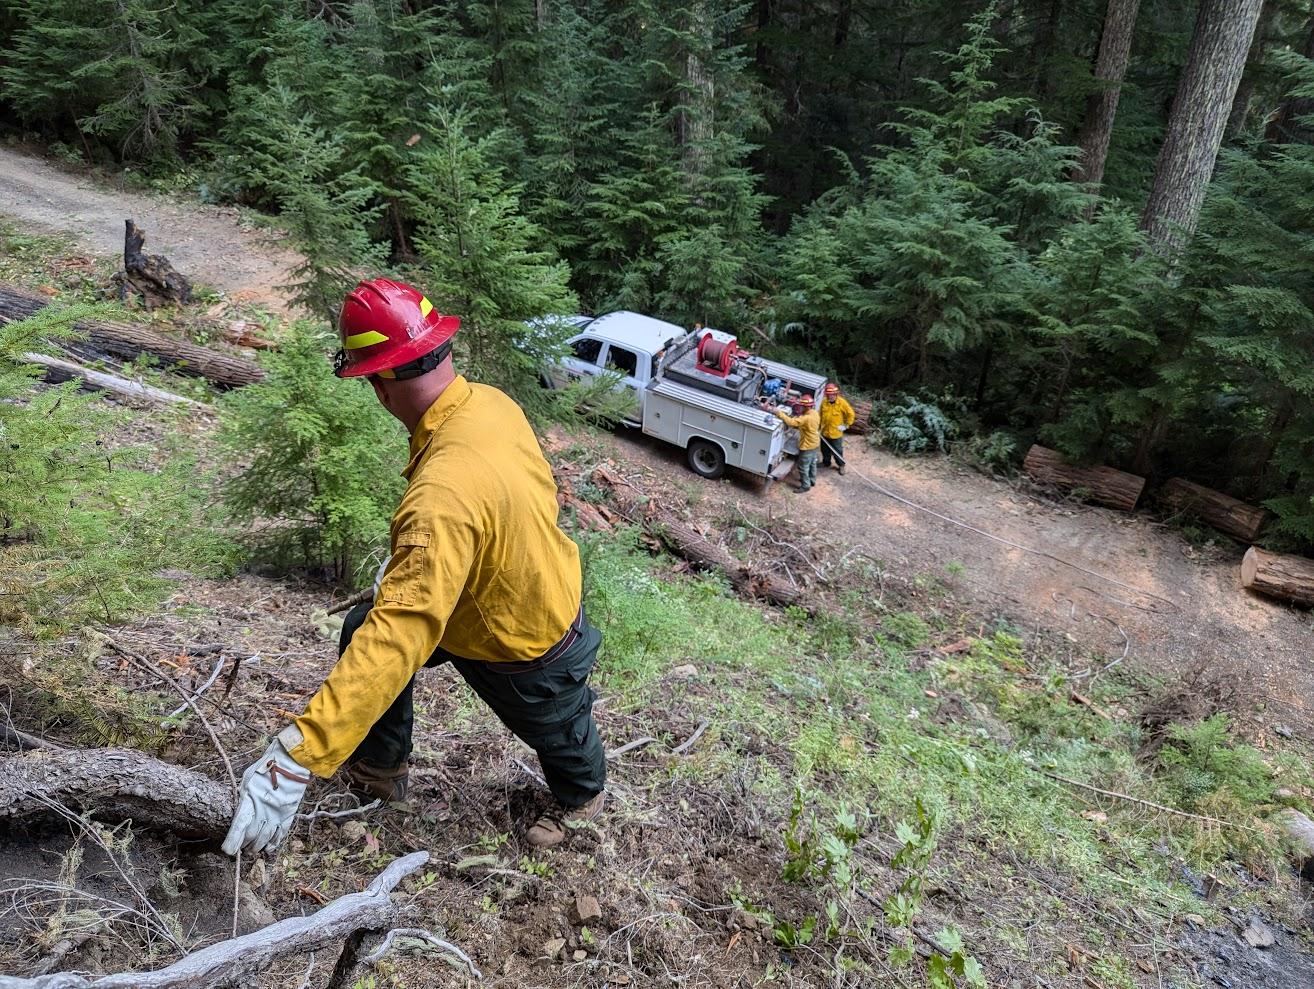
(1086, 223)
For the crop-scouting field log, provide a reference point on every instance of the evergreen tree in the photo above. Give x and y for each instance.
(126, 71)
(324, 204)
(483, 260)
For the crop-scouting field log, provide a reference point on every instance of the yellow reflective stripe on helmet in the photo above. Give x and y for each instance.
(385, 373)
(367, 339)
(426, 306)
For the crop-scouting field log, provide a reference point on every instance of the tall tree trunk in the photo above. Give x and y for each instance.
(1102, 106)
(1046, 41)
(696, 117)
(1285, 128)
(1236, 119)
(1223, 31)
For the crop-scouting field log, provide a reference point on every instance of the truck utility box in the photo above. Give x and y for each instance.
(698, 390)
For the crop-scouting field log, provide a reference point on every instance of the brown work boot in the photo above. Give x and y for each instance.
(551, 829)
(373, 782)
(840, 468)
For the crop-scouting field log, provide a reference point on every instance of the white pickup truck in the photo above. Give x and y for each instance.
(697, 390)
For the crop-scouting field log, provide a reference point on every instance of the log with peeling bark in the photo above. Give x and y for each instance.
(1228, 515)
(690, 545)
(58, 370)
(117, 785)
(1288, 578)
(241, 959)
(1102, 485)
(127, 341)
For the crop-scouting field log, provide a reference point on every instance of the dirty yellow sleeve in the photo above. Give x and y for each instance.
(432, 556)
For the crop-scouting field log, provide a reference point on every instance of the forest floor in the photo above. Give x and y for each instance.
(969, 689)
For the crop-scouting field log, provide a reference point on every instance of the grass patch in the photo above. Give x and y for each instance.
(863, 714)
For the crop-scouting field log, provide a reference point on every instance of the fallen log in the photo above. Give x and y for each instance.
(690, 545)
(1103, 485)
(243, 958)
(118, 785)
(127, 341)
(1228, 515)
(58, 370)
(1289, 578)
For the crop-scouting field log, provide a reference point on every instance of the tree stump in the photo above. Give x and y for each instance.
(1228, 515)
(1288, 578)
(1102, 485)
(149, 277)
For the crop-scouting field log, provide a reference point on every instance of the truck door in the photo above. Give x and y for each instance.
(626, 363)
(585, 354)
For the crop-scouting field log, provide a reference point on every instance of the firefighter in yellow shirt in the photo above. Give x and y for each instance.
(837, 416)
(808, 424)
(480, 576)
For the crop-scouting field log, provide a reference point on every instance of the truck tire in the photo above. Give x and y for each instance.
(706, 459)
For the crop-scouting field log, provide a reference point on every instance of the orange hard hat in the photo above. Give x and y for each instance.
(832, 389)
(391, 330)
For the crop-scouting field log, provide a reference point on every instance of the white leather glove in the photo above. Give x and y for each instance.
(378, 577)
(267, 802)
(844, 429)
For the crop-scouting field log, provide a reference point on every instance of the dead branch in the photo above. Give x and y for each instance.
(360, 597)
(321, 815)
(689, 743)
(419, 934)
(115, 784)
(214, 675)
(638, 743)
(244, 957)
(57, 369)
(1149, 803)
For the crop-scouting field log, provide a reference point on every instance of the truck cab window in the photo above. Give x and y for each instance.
(624, 361)
(587, 350)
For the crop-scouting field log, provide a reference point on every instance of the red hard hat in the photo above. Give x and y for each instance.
(805, 400)
(384, 325)
(832, 389)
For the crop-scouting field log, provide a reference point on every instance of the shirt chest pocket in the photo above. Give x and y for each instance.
(404, 582)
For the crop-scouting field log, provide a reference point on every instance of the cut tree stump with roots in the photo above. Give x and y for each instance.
(1102, 485)
(1228, 515)
(148, 276)
(1289, 578)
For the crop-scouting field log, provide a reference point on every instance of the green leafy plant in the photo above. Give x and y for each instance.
(911, 425)
(88, 525)
(320, 460)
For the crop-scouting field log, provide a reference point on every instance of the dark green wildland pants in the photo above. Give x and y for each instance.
(549, 708)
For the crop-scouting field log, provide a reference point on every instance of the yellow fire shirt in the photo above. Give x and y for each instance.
(479, 566)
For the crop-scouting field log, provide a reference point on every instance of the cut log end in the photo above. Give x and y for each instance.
(1287, 578)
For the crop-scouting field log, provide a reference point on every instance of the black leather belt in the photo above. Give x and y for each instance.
(548, 658)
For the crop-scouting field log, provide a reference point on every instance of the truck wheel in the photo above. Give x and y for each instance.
(706, 459)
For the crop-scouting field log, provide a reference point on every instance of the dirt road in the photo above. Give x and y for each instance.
(1199, 613)
(1192, 610)
(208, 244)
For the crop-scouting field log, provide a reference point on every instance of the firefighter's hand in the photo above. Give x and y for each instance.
(267, 802)
(844, 429)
